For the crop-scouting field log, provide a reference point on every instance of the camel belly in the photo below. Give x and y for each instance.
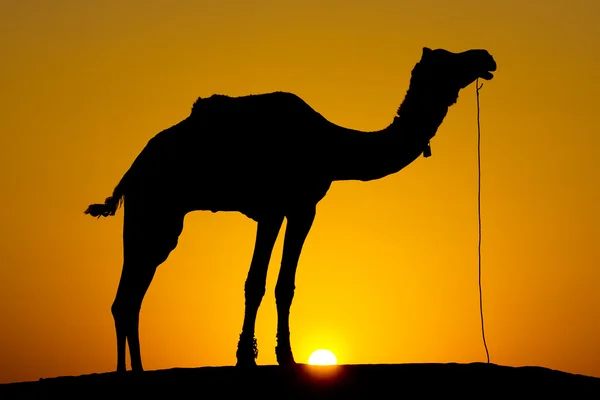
(253, 197)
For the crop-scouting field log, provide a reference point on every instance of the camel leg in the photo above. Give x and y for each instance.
(135, 280)
(147, 242)
(298, 226)
(266, 235)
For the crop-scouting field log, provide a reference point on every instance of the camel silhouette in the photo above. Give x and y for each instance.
(269, 156)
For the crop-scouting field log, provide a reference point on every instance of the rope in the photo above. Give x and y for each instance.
(477, 88)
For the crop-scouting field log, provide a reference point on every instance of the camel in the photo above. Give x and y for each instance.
(268, 156)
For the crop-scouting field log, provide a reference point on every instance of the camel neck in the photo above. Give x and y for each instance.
(368, 156)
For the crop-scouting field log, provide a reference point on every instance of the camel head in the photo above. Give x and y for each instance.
(448, 73)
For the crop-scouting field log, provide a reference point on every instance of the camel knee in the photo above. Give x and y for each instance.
(116, 310)
(254, 291)
(124, 311)
(284, 294)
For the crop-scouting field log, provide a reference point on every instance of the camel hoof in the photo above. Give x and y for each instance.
(285, 358)
(247, 353)
(137, 370)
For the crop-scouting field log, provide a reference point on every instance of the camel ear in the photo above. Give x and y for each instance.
(426, 50)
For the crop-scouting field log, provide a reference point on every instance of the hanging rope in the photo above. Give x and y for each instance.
(477, 88)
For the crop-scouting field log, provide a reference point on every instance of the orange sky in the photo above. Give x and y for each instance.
(389, 270)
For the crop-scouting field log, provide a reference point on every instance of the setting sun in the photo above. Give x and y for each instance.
(322, 357)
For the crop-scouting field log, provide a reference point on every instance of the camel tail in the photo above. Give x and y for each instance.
(110, 206)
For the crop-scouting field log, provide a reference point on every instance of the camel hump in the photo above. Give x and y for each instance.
(255, 103)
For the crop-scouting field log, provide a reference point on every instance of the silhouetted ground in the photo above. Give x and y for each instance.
(307, 382)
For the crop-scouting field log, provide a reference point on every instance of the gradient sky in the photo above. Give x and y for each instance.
(389, 270)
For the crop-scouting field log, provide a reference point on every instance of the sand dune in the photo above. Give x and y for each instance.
(344, 381)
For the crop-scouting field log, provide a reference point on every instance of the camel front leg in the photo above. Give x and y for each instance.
(298, 226)
(266, 235)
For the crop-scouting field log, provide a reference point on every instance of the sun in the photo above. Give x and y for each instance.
(322, 357)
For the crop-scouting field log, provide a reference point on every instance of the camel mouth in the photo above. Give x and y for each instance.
(491, 67)
(487, 75)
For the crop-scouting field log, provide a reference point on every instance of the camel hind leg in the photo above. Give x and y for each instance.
(148, 239)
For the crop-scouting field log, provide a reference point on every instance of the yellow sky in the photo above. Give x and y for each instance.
(389, 271)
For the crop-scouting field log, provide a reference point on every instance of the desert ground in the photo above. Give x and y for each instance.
(366, 381)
